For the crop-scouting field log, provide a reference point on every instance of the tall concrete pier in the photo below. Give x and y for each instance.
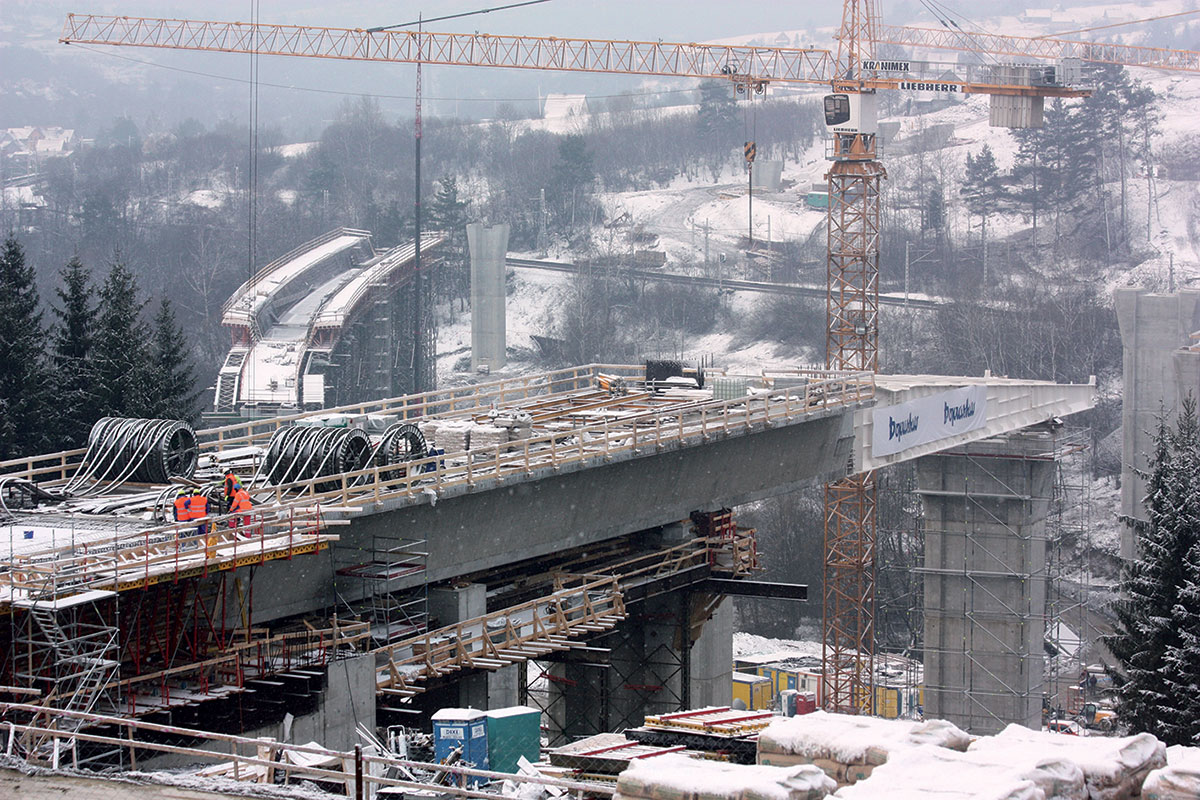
(985, 579)
(1160, 371)
(489, 247)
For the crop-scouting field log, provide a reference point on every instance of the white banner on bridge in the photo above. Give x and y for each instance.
(927, 419)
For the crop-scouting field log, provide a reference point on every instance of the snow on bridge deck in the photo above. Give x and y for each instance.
(335, 313)
(272, 369)
(254, 295)
(576, 425)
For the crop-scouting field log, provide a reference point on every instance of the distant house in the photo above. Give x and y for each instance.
(26, 146)
(562, 106)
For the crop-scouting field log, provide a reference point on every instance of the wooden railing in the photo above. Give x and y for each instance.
(580, 605)
(502, 638)
(677, 426)
(161, 552)
(827, 389)
(257, 760)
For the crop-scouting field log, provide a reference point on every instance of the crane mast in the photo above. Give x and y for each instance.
(851, 343)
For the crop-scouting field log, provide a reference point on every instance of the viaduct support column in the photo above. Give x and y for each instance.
(489, 249)
(985, 579)
(480, 689)
(663, 657)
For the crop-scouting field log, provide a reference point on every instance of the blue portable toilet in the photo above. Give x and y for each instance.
(465, 728)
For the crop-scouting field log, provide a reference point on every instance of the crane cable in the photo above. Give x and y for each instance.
(252, 186)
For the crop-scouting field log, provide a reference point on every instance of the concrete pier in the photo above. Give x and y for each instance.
(985, 580)
(1159, 373)
(489, 247)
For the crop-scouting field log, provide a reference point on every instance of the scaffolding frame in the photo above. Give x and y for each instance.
(984, 533)
(1069, 572)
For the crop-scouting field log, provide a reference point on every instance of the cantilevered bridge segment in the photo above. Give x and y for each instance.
(288, 320)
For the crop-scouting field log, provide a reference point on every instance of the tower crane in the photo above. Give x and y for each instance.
(853, 74)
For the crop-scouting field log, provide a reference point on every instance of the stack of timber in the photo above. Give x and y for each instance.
(722, 730)
(849, 748)
(679, 778)
(608, 754)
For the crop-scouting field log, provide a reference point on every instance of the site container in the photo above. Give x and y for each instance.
(512, 733)
(464, 728)
(753, 690)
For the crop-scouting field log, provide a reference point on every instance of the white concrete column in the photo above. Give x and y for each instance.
(1159, 372)
(489, 248)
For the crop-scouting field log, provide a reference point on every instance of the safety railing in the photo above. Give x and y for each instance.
(458, 401)
(260, 760)
(495, 640)
(164, 552)
(270, 269)
(53, 468)
(580, 605)
(338, 308)
(680, 425)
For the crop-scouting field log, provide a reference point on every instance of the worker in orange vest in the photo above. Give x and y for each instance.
(181, 509)
(241, 504)
(198, 505)
(232, 484)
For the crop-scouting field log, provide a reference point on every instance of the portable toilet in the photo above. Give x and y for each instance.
(512, 733)
(787, 702)
(465, 728)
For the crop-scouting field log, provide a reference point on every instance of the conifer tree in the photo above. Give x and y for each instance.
(448, 212)
(1183, 660)
(173, 384)
(982, 191)
(74, 370)
(1146, 640)
(24, 393)
(122, 364)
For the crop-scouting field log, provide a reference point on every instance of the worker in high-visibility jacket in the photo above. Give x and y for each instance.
(240, 507)
(181, 509)
(232, 484)
(199, 511)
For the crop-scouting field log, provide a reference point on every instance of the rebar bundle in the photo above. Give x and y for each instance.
(301, 453)
(140, 450)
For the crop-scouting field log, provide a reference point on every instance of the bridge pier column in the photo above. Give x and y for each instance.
(673, 651)
(489, 251)
(985, 579)
(480, 688)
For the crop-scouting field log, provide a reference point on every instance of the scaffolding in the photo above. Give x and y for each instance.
(65, 647)
(395, 609)
(985, 579)
(1070, 629)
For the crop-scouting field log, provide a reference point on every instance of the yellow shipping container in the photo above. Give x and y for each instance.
(753, 690)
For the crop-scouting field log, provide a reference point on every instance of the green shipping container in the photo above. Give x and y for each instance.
(512, 733)
(817, 199)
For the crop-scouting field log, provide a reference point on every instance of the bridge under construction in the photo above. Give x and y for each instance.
(574, 520)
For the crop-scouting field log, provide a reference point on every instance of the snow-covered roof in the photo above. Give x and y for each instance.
(560, 106)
